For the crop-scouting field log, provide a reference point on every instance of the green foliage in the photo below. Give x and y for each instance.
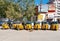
(28, 7)
(16, 10)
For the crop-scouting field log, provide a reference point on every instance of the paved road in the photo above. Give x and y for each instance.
(23, 35)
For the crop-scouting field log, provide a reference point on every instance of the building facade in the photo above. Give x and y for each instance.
(51, 9)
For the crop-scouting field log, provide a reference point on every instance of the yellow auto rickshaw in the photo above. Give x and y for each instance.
(54, 26)
(37, 25)
(44, 26)
(5, 26)
(14, 26)
(20, 27)
(28, 26)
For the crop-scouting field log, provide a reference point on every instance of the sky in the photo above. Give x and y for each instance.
(37, 2)
(44, 8)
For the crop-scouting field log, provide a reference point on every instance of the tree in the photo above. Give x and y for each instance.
(2, 8)
(10, 9)
(28, 8)
(16, 9)
(13, 11)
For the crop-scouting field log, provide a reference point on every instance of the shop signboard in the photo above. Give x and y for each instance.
(50, 16)
(43, 8)
(52, 8)
(41, 17)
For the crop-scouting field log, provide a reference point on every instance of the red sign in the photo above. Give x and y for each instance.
(51, 8)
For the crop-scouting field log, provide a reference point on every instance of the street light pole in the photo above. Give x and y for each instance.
(40, 5)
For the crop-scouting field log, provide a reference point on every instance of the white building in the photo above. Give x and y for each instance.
(52, 9)
(57, 2)
(58, 7)
(57, 11)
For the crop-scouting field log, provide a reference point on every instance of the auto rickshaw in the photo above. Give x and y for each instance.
(37, 25)
(28, 26)
(20, 27)
(44, 26)
(54, 26)
(14, 26)
(5, 26)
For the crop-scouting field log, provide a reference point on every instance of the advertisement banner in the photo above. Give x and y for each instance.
(41, 17)
(43, 8)
(52, 8)
(51, 16)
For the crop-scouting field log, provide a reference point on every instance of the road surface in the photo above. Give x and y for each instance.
(24, 35)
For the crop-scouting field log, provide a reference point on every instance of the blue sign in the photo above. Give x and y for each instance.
(37, 2)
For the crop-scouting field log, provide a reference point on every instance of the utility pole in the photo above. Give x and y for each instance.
(40, 5)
